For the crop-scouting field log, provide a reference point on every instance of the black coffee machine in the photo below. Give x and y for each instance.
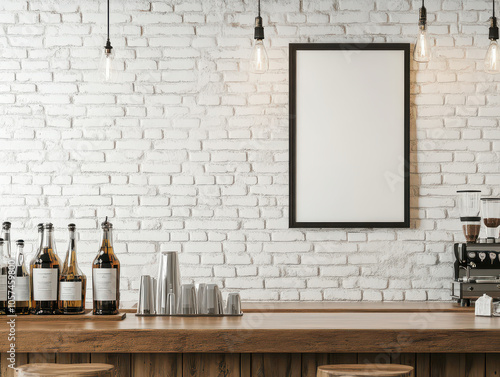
(477, 271)
(477, 262)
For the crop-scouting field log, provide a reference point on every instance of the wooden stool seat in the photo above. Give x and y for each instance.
(74, 370)
(364, 370)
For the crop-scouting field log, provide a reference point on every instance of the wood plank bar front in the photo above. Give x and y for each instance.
(281, 365)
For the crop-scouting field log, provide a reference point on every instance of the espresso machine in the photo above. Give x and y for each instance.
(477, 272)
(477, 262)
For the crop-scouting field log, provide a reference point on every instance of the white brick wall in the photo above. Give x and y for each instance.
(189, 150)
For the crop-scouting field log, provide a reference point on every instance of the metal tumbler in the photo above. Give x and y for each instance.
(146, 296)
(153, 293)
(187, 300)
(201, 297)
(171, 304)
(233, 304)
(213, 300)
(169, 280)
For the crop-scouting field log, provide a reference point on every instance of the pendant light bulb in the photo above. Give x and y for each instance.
(492, 59)
(422, 51)
(107, 66)
(107, 63)
(259, 62)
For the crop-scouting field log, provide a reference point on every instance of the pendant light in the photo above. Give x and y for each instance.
(106, 65)
(259, 62)
(491, 62)
(422, 52)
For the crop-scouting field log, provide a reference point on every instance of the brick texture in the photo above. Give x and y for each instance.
(188, 150)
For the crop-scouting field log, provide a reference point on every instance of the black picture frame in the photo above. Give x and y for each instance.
(293, 49)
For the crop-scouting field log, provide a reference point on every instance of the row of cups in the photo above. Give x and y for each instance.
(166, 295)
(202, 299)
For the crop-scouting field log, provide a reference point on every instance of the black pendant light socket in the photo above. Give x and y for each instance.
(493, 25)
(108, 47)
(422, 21)
(259, 29)
(493, 29)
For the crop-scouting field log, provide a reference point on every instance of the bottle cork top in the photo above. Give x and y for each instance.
(106, 225)
(48, 226)
(20, 242)
(71, 227)
(6, 225)
(40, 226)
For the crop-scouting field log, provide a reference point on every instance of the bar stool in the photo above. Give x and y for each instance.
(364, 370)
(74, 370)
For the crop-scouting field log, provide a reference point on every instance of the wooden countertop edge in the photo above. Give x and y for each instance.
(261, 341)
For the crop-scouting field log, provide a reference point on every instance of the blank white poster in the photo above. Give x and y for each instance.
(350, 130)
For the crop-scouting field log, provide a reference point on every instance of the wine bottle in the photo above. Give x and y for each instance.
(4, 263)
(73, 282)
(106, 275)
(45, 272)
(21, 283)
(6, 238)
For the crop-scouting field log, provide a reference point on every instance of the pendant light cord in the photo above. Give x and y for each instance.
(493, 8)
(108, 20)
(259, 8)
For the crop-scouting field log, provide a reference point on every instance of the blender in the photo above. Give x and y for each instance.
(490, 208)
(468, 204)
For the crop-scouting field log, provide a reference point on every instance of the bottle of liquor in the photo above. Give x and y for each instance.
(73, 282)
(45, 270)
(106, 275)
(4, 263)
(22, 282)
(6, 238)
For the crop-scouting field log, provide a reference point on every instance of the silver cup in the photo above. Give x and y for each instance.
(161, 299)
(146, 296)
(169, 280)
(221, 303)
(153, 293)
(201, 297)
(171, 304)
(233, 304)
(187, 300)
(213, 300)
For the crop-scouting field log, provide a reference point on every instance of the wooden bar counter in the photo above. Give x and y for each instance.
(271, 340)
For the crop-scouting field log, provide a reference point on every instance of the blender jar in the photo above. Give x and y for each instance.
(468, 204)
(491, 216)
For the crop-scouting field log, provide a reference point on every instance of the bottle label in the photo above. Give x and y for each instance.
(22, 288)
(3, 287)
(45, 284)
(104, 284)
(70, 290)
